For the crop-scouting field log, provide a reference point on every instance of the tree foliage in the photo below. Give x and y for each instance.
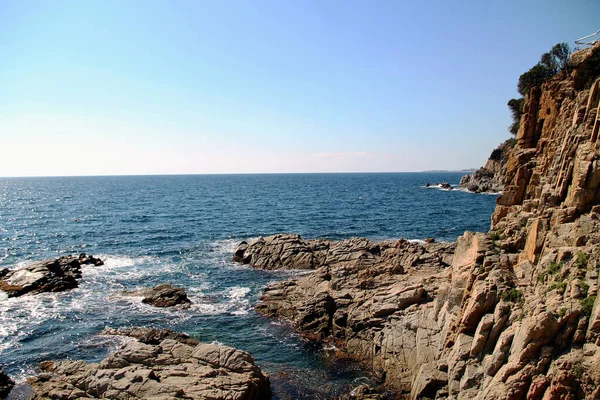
(516, 109)
(551, 63)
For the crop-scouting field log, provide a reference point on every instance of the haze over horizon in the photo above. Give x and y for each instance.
(196, 87)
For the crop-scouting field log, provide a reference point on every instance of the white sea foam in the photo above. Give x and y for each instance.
(239, 304)
(238, 292)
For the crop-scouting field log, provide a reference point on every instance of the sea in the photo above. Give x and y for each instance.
(182, 230)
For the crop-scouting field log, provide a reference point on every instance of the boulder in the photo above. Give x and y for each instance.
(163, 295)
(169, 366)
(148, 335)
(46, 276)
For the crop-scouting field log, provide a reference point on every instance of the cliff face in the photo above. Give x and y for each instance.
(490, 177)
(512, 313)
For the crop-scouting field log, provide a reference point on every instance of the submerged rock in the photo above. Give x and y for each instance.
(6, 384)
(159, 365)
(164, 295)
(45, 276)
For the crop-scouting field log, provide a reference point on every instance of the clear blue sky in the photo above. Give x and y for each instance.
(152, 87)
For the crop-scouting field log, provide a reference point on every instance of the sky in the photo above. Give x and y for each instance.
(266, 86)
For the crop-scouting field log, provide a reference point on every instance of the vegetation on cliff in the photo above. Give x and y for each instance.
(550, 64)
(513, 313)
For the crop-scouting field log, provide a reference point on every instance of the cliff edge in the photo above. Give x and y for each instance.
(491, 177)
(510, 314)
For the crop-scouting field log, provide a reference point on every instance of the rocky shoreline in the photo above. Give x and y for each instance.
(491, 177)
(157, 364)
(513, 313)
(509, 314)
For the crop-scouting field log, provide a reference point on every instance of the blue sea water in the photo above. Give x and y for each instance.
(182, 230)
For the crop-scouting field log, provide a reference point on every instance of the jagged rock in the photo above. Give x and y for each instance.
(6, 384)
(511, 314)
(359, 286)
(364, 392)
(163, 295)
(428, 382)
(490, 178)
(150, 335)
(290, 251)
(46, 276)
(171, 366)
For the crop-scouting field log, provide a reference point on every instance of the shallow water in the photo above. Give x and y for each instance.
(182, 230)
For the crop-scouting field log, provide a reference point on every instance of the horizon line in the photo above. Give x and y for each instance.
(239, 173)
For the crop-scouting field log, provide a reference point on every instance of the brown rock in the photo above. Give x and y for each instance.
(163, 295)
(45, 276)
(175, 367)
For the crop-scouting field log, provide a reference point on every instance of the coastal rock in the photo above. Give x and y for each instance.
(46, 276)
(491, 177)
(359, 295)
(510, 314)
(164, 295)
(6, 384)
(290, 251)
(170, 367)
(150, 335)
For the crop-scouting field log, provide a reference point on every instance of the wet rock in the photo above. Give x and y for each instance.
(171, 367)
(164, 295)
(6, 384)
(151, 335)
(46, 276)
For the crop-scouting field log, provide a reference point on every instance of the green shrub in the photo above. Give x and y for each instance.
(516, 109)
(513, 295)
(537, 75)
(587, 305)
(554, 267)
(581, 261)
(578, 370)
(562, 312)
(494, 236)
(584, 287)
(558, 286)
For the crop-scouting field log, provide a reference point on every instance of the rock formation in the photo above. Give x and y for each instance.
(45, 276)
(513, 313)
(6, 384)
(491, 177)
(290, 251)
(164, 295)
(159, 365)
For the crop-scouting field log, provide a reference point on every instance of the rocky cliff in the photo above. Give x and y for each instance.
(491, 177)
(509, 314)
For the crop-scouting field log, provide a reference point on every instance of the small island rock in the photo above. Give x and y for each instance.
(164, 295)
(45, 276)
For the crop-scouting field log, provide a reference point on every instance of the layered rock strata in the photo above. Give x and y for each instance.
(515, 313)
(159, 365)
(45, 276)
(491, 177)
